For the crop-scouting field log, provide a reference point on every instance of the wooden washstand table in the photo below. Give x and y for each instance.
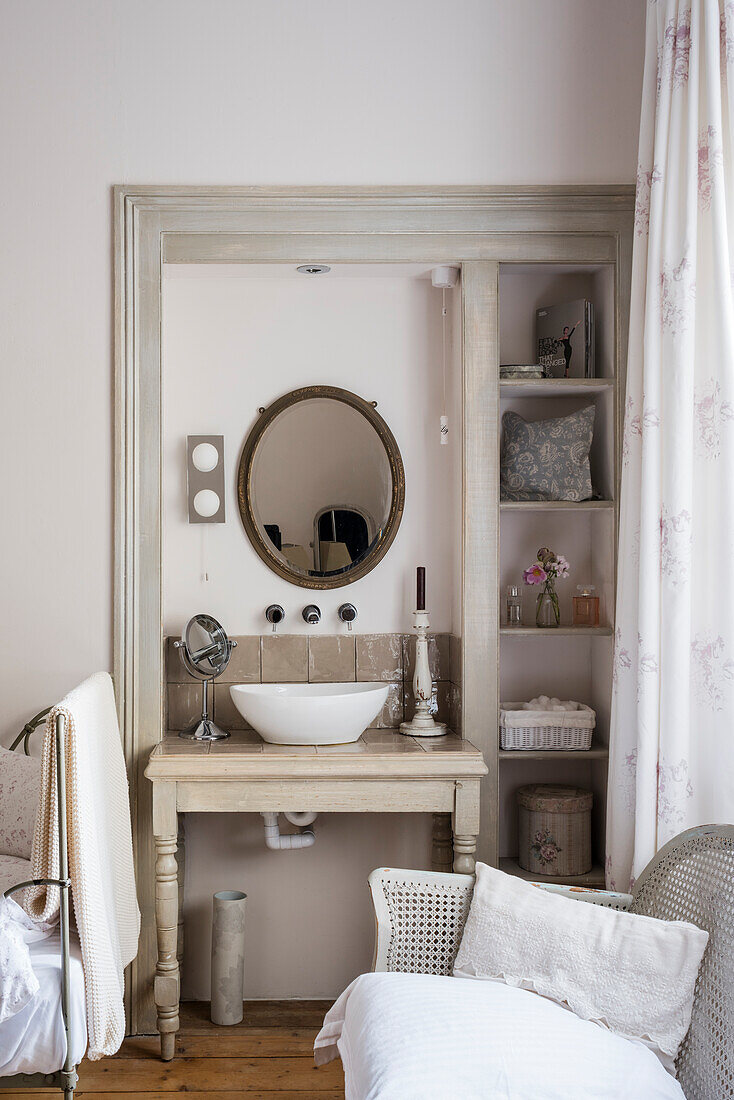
(383, 772)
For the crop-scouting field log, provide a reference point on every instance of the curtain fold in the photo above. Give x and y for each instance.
(672, 726)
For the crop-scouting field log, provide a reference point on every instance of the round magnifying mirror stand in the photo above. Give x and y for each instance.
(204, 728)
(205, 651)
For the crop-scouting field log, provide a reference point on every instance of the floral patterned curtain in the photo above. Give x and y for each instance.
(672, 755)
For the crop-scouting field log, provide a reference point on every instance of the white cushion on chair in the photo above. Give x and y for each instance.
(425, 1037)
(20, 782)
(632, 974)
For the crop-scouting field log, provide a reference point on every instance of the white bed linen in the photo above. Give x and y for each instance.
(33, 1041)
(423, 1037)
(18, 982)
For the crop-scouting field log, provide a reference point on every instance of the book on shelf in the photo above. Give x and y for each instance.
(565, 339)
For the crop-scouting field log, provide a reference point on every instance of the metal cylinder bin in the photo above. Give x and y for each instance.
(554, 830)
(228, 957)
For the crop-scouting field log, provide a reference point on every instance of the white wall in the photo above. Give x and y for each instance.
(233, 91)
(233, 343)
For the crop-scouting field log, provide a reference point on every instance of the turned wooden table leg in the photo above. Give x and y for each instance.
(181, 861)
(464, 852)
(465, 823)
(166, 985)
(441, 853)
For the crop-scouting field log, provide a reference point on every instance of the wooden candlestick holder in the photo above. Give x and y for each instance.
(423, 723)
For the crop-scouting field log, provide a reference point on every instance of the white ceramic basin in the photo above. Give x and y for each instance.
(309, 714)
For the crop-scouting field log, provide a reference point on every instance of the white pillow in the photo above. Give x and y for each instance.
(632, 974)
(20, 782)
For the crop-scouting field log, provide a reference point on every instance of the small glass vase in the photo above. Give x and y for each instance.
(547, 611)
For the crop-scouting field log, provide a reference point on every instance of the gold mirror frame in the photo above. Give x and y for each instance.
(244, 476)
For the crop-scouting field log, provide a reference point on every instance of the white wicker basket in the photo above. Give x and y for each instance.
(546, 729)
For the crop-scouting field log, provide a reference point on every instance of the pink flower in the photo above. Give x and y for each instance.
(547, 853)
(562, 566)
(536, 574)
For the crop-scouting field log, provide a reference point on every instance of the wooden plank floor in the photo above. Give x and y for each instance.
(269, 1056)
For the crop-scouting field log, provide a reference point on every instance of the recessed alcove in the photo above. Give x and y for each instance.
(569, 662)
(514, 247)
(235, 338)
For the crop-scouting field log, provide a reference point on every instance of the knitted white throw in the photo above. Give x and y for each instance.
(100, 852)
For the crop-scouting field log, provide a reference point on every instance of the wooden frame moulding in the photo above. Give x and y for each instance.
(474, 227)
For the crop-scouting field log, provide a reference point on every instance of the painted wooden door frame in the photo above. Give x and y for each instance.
(476, 227)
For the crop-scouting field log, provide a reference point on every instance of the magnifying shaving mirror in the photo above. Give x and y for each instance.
(321, 487)
(205, 651)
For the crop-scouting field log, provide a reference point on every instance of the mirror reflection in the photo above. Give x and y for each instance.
(206, 649)
(321, 487)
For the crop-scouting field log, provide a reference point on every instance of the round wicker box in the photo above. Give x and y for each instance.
(555, 829)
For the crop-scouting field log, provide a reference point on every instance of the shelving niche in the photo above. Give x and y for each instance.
(568, 662)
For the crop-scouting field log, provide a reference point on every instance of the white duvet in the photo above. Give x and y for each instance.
(33, 1040)
(422, 1037)
(18, 983)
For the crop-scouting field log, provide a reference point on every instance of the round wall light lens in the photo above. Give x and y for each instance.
(206, 503)
(205, 457)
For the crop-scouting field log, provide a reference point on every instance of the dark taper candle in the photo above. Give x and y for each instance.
(420, 603)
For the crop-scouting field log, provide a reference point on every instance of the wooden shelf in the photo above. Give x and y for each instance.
(596, 752)
(594, 878)
(555, 631)
(585, 531)
(553, 387)
(556, 506)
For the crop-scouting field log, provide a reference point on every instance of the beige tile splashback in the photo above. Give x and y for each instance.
(455, 659)
(284, 658)
(379, 657)
(245, 663)
(331, 659)
(184, 703)
(175, 671)
(319, 659)
(225, 712)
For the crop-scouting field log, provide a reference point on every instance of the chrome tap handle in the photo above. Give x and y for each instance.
(347, 614)
(275, 614)
(312, 614)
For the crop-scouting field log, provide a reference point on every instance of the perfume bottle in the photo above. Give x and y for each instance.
(585, 606)
(513, 614)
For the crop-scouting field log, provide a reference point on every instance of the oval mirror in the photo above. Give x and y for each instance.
(321, 487)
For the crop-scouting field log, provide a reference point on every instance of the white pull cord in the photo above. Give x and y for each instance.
(203, 549)
(444, 417)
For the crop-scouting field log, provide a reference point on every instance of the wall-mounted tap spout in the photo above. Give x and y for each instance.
(275, 614)
(347, 614)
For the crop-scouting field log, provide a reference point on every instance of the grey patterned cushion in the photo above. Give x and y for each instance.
(547, 459)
